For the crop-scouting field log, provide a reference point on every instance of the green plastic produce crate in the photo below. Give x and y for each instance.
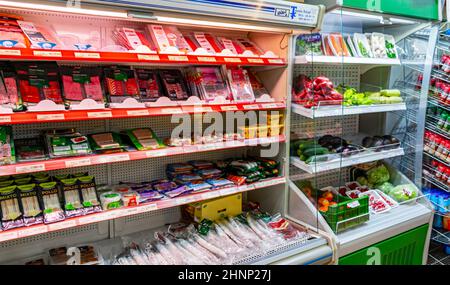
(347, 213)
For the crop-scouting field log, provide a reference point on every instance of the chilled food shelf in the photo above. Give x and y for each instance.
(339, 110)
(362, 157)
(102, 114)
(128, 211)
(322, 59)
(396, 221)
(71, 162)
(135, 58)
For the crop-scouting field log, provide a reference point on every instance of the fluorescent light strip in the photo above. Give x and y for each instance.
(208, 23)
(65, 9)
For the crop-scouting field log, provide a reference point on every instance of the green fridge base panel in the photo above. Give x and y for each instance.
(404, 249)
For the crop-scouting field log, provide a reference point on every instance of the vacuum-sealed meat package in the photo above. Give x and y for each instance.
(120, 83)
(9, 93)
(81, 83)
(174, 84)
(240, 85)
(149, 86)
(40, 36)
(11, 35)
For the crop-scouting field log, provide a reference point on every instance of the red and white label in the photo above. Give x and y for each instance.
(206, 59)
(229, 108)
(178, 58)
(202, 109)
(30, 168)
(171, 111)
(47, 53)
(276, 61)
(35, 230)
(99, 114)
(148, 57)
(138, 113)
(50, 117)
(62, 225)
(78, 162)
(251, 107)
(156, 153)
(10, 52)
(255, 60)
(114, 158)
(232, 59)
(94, 55)
(5, 119)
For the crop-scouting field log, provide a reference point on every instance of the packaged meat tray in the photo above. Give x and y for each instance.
(210, 83)
(132, 39)
(40, 36)
(120, 83)
(149, 85)
(11, 35)
(81, 83)
(377, 204)
(9, 92)
(174, 85)
(240, 85)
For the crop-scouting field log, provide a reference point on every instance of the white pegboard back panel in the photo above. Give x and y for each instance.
(329, 178)
(304, 127)
(15, 250)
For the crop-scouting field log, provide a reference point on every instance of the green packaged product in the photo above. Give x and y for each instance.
(144, 139)
(71, 197)
(7, 151)
(109, 142)
(49, 194)
(66, 142)
(89, 194)
(32, 211)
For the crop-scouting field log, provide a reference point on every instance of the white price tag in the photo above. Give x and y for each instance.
(229, 108)
(203, 147)
(8, 236)
(47, 53)
(231, 190)
(270, 105)
(138, 113)
(114, 158)
(276, 61)
(185, 200)
(50, 117)
(171, 111)
(206, 59)
(78, 162)
(99, 114)
(87, 55)
(178, 58)
(62, 225)
(255, 60)
(148, 57)
(202, 109)
(156, 153)
(232, 59)
(5, 119)
(32, 231)
(94, 218)
(251, 107)
(30, 168)
(353, 204)
(10, 52)
(149, 207)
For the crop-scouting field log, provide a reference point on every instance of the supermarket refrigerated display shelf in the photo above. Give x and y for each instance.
(339, 110)
(138, 58)
(362, 157)
(307, 59)
(433, 129)
(429, 178)
(396, 221)
(128, 211)
(78, 161)
(102, 114)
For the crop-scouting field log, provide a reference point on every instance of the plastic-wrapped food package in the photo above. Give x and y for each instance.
(38, 81)
(174, 85)
(208, 42)
(362, 45)
(132, 39)
(149, 85)
(241, 87)
(165, 36)
(391, 51)
(11, 209)
(230, 44)
(51, 207)
(30, 149)
(338, 45)
(81, 83)
(7, 149)
(248, 45)
(11, 35)
(66, 142)
(9, 92)
(209, 82)
(257, 86)
(378, 45)
(309, 44)
(120, 83)
(40, 36)
(29, 199)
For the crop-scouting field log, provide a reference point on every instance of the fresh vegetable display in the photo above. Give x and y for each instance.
(379, 143)
(354, 98)
(312, 92)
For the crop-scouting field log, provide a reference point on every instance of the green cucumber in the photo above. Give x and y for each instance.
(315, 151)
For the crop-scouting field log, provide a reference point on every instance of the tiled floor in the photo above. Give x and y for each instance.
(437, 256)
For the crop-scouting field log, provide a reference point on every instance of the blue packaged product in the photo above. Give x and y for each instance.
(219, 183)
(180, 190)
(198, 186)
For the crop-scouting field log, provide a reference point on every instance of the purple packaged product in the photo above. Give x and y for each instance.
(198, 186)
(164, 186)
(209, 173)
(148, 195)
(179, 167)
(186, 178)
(201, 164)
(32, 210)
(219, 183)
(180, 190)
(11, 210)
(50, 203)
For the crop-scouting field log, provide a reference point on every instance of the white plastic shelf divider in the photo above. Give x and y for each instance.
(338, 110)
(363, 157)
(322, 59)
